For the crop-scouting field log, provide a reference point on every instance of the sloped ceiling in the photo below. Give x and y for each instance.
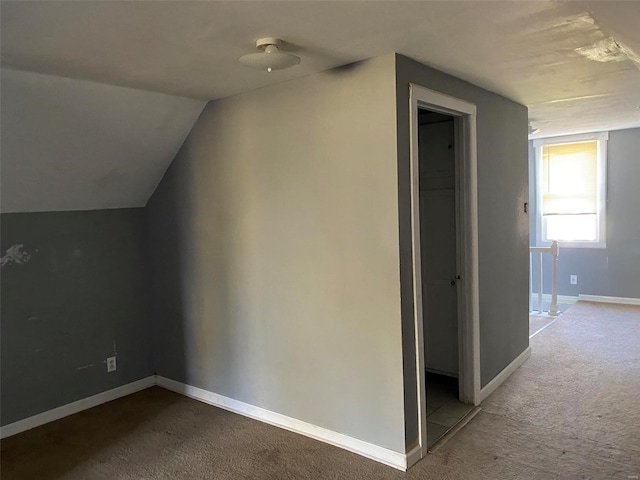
(575, 64)
(79, 145)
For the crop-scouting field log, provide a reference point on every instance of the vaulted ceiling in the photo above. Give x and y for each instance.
(76, 145)
(82, 129)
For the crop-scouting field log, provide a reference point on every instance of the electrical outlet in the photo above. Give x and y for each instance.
(111, 364)
(574, 279)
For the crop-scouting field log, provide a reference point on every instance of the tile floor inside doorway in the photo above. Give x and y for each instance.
(444, 410)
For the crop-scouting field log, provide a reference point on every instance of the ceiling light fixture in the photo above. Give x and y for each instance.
(270, 57)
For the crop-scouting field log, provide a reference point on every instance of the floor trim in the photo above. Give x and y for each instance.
(75, 407)
(400, 461)
(602, 299)
(455, 429)
(552, 320)
(546, 297)
(374, 452)
(490, 387)
(413, 456)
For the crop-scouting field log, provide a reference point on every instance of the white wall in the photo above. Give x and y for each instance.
(276, 255)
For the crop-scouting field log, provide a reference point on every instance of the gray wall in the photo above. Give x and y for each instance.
(275, 253)
(503, 226)
(79, 299)
(613, 271)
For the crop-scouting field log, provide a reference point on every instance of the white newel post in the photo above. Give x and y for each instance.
(540, 304)
(530, 282)
(555, 250)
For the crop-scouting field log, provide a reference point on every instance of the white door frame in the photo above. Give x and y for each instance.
(464, 114)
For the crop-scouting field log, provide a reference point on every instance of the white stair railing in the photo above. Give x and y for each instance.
(553, 250)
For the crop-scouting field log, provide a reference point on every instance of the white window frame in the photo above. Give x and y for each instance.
(601, 138)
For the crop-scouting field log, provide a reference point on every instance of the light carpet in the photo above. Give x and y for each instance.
(572, 411)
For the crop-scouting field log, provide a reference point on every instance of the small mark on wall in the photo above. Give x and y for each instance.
(85, 366)
(15, 254)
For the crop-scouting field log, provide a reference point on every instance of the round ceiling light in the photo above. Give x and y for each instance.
(270, 57)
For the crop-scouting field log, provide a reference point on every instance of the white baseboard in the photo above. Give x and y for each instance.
(414, 455)
(383, 455)
(490, 387)
(620, 300)
(75, 407)
(566, 299)
(394, 459)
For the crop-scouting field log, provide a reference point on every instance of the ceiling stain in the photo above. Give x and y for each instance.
(635, 58)
(533, 52)
(606, 50)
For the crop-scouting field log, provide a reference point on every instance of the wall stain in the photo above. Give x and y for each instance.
(15, 254)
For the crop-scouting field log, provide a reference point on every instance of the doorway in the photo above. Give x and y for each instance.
(439, 269)
(445, 261)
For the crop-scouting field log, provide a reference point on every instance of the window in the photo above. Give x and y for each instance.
(570, 190)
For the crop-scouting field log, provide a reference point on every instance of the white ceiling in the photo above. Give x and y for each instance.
(575, 64)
